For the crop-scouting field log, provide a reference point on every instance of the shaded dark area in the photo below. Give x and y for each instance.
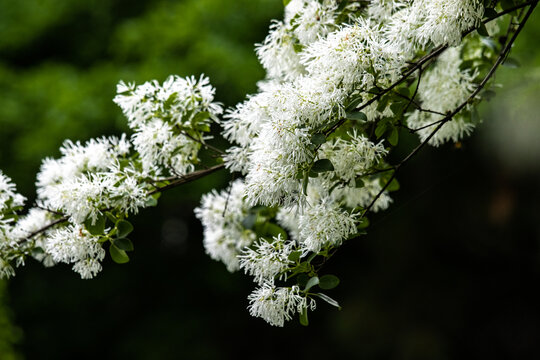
(448, 272)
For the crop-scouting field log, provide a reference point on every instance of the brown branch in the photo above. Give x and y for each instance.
(188, 178)
(47, 227)
(179, 181)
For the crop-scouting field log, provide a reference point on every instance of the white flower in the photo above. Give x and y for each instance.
(436, 22)
(267, 259)
(443, 89)
(325, 224)
(221, 215)
(9, 198)
(277, 53)
(168, 121)
(6, 270)
(89, 178)
(353, 156)
(73, 244)
(353, 197)
(277, 304)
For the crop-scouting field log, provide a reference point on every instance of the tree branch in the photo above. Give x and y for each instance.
(179, 181)
(502, 56)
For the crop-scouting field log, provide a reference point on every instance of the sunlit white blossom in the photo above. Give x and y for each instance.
(266, 259)
(74, 245)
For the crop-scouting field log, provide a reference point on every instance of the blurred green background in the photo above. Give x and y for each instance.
(450, 271)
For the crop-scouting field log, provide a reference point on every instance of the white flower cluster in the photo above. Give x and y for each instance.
(444, 87)
(90, 178)
(10, 203)
(421, 23)
(104, 179)
(168, 120)
(277, 304)
(267, 259)
(353, 156)
(285, 144)
(75, 245)
(304, 22)
(221, 215)
(309, 147)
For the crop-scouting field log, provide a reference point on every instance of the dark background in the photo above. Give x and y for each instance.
(450, 271)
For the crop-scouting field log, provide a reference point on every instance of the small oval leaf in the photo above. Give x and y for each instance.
(123, 244)
(119, 256)
(124, 228)
(358, 116)
(328, 282)
(98, 227)
(318, 139)
(303, 317)
(322, 165)
(311, 283)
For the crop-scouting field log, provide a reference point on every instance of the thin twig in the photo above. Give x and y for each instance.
(177, 182)
(420, 62)
(188, 178)
(502, 55)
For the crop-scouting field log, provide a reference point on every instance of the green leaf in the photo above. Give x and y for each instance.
(489, 42)
(201, 116)
(328, 282)
(111, 217)
(482, 30)
(303, 317)
(295, 256)
(249, 221)
(359, 183)
(490, 13)
(98, 227)
(305, 182)
(354, 103)
(511, 63)
(286, 2)
(507, 4)
(475, 116)
(322, 165)
(394, 185)
(363, 223)
(358, 116)
(151, 202)
(383, 103)
(118, 255)
(123, 244)
(275, 230)
(311, 283)
(394, 137)
(124, 228)
(404, 91)
(37, 251)
(398, 107)
(381, 129)
(318, 139)
(302, 280)
(329, 300)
